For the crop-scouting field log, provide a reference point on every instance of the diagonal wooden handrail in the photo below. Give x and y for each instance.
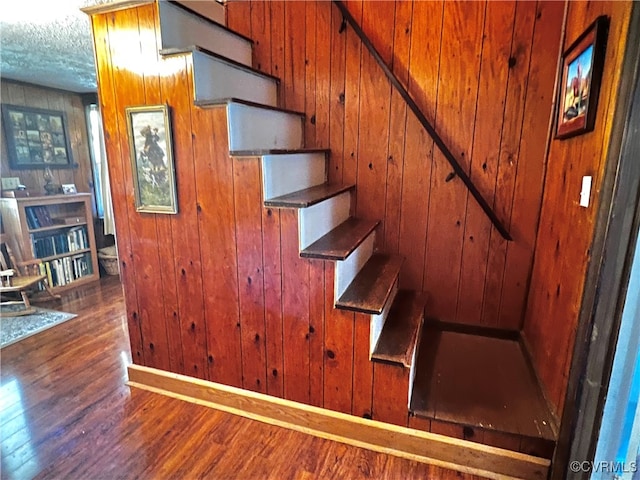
(425, 123)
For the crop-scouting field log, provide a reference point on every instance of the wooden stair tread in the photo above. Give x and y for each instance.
(401, 330)
(369, 291)
(219, 102)
(277, 151)
(479, 381)
(167, 52)
(341, 241)
(308, 197)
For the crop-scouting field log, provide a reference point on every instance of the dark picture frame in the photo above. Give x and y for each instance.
(581, 75)
(151, 152)
(36, 138)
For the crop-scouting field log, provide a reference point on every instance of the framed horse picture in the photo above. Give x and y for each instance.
(150, 148)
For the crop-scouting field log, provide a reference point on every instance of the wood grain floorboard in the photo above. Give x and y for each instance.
(67, 413)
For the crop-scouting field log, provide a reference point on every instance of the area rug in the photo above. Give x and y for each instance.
(14, 329)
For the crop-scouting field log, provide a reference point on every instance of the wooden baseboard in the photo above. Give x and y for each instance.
(439, 450)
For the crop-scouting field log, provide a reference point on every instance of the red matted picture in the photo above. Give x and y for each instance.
(582, 65)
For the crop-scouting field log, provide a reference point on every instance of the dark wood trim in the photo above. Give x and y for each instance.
(308, 197)
(457, 168)
(167, 52)
(608, 273)
(208, 20)
(225, 101)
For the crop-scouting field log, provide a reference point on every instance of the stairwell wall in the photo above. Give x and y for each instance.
(483, 73)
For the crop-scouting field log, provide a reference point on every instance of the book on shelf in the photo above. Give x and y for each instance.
(58, 243)
(62, 271)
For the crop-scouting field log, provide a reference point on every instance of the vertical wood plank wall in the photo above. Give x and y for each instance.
(218, 291)
(566, 229)
(483, 73)
(26, 95)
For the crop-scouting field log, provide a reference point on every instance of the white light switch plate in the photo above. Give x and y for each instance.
(10, 183)
(585, 193)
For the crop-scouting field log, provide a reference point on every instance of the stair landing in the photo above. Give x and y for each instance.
(481, 382)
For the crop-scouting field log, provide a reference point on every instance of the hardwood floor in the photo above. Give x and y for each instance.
(65, 412)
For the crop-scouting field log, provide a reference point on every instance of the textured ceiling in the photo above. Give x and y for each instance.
(48, 42)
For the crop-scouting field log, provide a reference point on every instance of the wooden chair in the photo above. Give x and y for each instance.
(19, 278)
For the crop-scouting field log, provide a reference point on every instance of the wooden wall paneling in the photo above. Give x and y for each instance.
(445, 428)
(375, 91)
(116, 161)
(426, 39)
(566, 230)
(273, 300)
(339, 348)
(316, 332)
(519, 61)
(176, 84)
(150, 44)
(216, 217)
(390, 391)
(530, 172)
(353, 59)
(397, 128)
(248, 221)
(361, 405)
(461, 41)
(239, 17)
(127, 60)
(323, 66)
(489, 121)
(293, 79)
(337, 96)
(276, 10)
(83, 175)
(310, 61)
(261, 35)
(295, 311)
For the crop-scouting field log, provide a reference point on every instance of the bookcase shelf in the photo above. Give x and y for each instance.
(58, 231)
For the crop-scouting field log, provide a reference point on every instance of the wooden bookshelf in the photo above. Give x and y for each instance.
(56, 229)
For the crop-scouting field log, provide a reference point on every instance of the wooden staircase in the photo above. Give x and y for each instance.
(365, 280)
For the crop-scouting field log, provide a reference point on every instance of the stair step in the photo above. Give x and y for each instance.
(308, 197)
(277, 151)
(401, 331)
(341, 241)
(253, 126)
(180, 26)
(211, 11)
(369, 291)
(215, 77)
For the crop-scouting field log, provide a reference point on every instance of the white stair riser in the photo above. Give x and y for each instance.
(377, 321)
(284, 174)
(346, 270)
(210, 9)
(412, 370)
(179, 29)
(252, 128)
(217, 80)
(319, 219)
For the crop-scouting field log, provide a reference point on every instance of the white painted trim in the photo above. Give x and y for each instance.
(287, 173)
(319, 219)
(180, 29)
(254, 128)
(207, 8)
(347, 269)
(215, 79)
(412, 370)
(378, 321)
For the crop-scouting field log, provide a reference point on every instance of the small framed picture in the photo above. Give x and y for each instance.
(582, 65)
(151, 159)
(69, 188)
